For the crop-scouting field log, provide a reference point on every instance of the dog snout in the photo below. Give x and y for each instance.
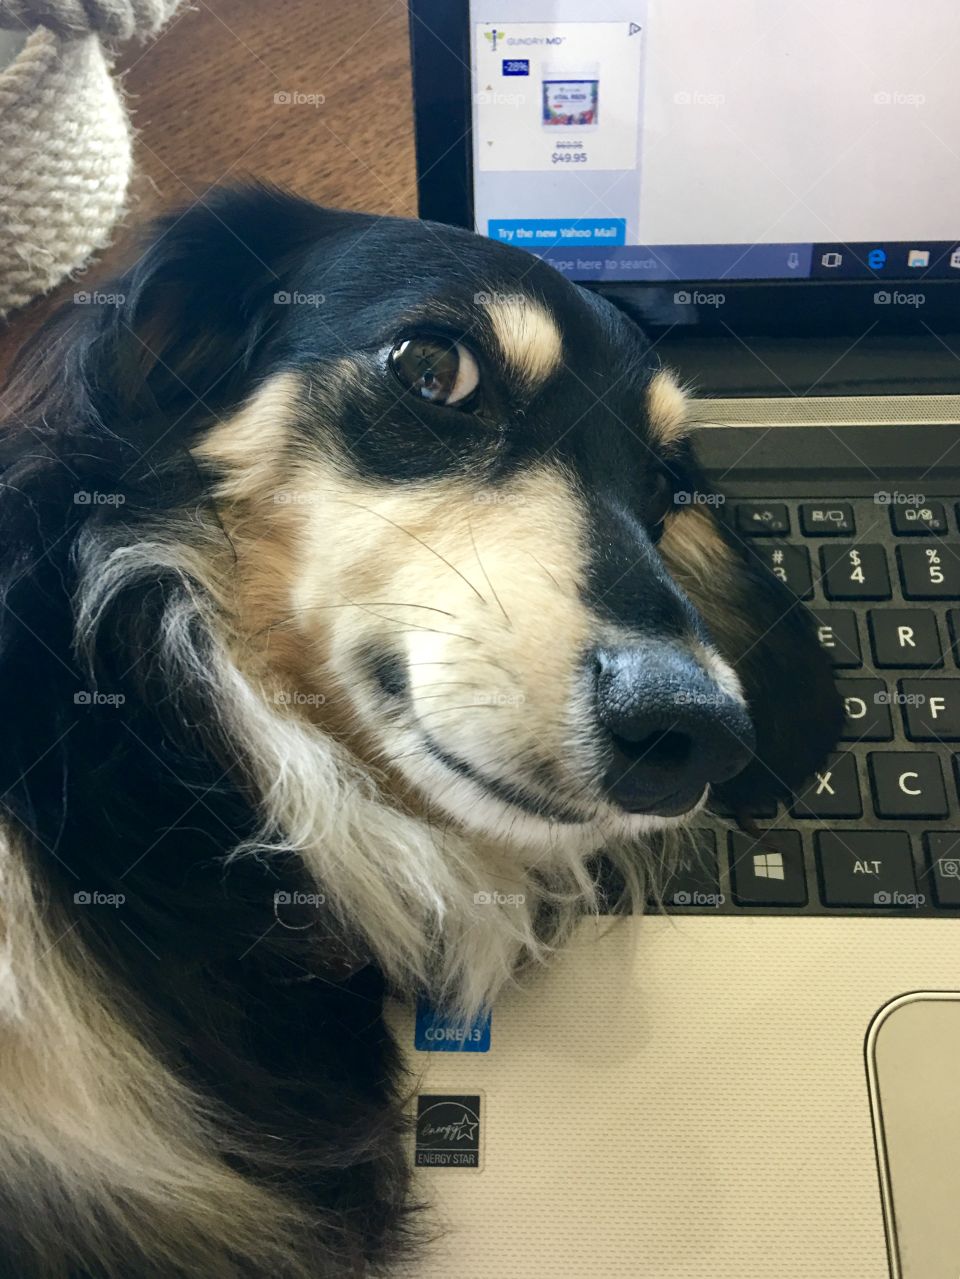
(668, 727)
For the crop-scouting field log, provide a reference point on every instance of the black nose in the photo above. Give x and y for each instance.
(669, 728)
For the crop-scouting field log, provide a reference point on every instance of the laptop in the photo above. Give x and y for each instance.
(759, 1079)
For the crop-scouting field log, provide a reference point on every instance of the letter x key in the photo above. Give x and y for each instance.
(832, 792)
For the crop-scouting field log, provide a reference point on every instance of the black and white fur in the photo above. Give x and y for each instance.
(293, 714)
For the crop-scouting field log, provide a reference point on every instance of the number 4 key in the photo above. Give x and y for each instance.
(855, 572)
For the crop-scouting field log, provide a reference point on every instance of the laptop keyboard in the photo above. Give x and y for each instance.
(877, 831)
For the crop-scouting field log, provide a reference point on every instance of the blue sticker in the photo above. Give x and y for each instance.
(516, 66)
(437, 1032)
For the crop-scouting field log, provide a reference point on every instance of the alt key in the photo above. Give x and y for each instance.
(866, 868)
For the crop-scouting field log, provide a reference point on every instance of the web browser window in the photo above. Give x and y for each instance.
(665, 139)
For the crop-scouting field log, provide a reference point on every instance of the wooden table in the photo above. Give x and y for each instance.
(208, 101)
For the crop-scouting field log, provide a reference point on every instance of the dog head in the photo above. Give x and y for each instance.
(433, 495)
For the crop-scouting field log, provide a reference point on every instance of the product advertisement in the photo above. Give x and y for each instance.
(558, 95)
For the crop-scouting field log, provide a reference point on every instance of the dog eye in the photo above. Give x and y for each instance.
(438, 371)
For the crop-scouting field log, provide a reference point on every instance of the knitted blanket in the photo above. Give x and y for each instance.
(65, 137)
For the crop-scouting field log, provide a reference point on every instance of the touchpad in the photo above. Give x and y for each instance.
(913, 1060)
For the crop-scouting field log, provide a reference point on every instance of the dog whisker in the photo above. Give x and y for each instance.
(433, 551)
(545, 570)
(416, 630)
(468, 706)
(486, 575)
(291, 619)
(452, 683)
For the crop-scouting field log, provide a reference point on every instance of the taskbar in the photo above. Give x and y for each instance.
(581, 249)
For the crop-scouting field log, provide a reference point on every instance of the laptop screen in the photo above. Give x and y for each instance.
(646, 140)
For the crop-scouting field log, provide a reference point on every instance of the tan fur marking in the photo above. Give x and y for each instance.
(706, 568)
(666, 408)
(248, 446)
(695, 550)
(527, 335)
(411, 566)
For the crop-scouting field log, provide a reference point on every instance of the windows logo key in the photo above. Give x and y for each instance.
(768, 865)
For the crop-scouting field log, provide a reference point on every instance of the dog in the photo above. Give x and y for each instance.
(350, 606)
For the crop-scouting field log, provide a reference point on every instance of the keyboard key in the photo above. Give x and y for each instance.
(953, 621)
(905, 637)
(696, 884)
(839, 637)
(930, 572)
(931, 709)
(867, 706)
(791, 564)
(918, 521)
(827, 519)
(763, 519)
(833, 792)
(907, 784)
(855, 572)
(865, 868)
(943, 865)
(768, 871)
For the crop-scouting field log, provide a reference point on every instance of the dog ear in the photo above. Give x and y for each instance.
(769, 638)
(173, 339)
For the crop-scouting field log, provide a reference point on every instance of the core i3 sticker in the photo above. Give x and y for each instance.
(448, 1131)
(435, 1032)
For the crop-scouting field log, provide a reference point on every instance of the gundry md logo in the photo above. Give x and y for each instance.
(448, 1131)
(494, 36)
